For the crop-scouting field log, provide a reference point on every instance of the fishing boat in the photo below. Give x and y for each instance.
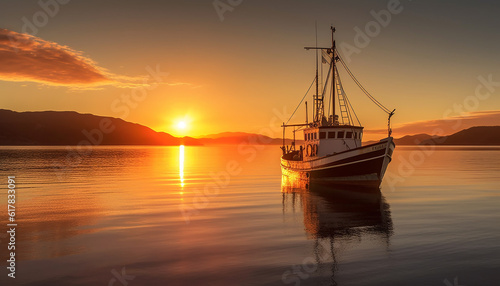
(332, 151)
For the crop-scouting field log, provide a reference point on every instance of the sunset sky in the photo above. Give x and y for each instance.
(161, 63)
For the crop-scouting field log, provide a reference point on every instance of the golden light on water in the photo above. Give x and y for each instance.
(181, 167)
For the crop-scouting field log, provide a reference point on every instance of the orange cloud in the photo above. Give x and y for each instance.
(444, 126)
(28, 58)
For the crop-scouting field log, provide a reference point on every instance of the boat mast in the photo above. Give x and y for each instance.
(307, 120)
(318, 100)
(333, 74)
(316, 103)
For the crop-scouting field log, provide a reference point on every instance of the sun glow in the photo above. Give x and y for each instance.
(181, 125)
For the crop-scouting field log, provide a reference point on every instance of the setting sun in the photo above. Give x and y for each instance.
(181, 125)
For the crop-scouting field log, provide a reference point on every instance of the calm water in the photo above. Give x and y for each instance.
(220, 216)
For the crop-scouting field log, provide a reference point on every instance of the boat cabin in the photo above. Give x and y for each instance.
(326, 140)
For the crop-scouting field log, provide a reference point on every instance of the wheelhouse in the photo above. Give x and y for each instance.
(326, 140)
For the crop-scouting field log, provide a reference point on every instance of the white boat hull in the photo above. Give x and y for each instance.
(363, 166)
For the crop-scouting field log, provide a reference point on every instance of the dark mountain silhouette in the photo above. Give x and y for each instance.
(227, 138)
(227, 134)
(72, 128)
(479, 135)
(406, 140)
(413, 139)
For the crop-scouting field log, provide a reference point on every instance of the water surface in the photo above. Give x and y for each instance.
(221, 216)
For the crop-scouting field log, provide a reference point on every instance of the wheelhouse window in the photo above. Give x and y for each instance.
(331, 134)
(340, 134)
(315, 136)
(355, 135)
(305, 136)
(348, 134)
(322, 135)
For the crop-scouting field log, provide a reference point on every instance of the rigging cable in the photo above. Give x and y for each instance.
(301, 100)
(344, 95)
(380, 105)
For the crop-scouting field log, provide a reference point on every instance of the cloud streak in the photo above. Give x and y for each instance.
(29, 58)
(445, 126)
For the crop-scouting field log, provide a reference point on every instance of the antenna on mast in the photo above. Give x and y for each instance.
(333, 74)
(316, 103)
(318, 100)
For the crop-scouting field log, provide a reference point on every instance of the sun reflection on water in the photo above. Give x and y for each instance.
(181, 168)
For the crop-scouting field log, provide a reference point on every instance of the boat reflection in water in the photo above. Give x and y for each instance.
(336, 218)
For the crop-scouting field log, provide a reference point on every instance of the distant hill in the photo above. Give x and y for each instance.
(413, 139)
(406, 140)
(479, 135)
(71, 128)
(227, 135)
(232, 138)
